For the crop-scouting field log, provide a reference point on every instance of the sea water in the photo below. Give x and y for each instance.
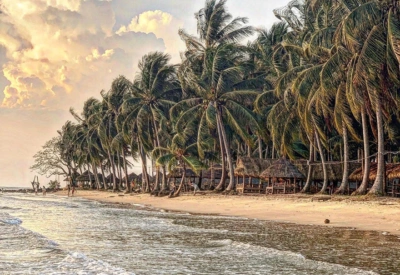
(60, 235)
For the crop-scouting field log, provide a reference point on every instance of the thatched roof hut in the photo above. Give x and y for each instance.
(216, 169)
(178, 172)
(86, 176)
(109, 179)
(335, 169)
(282, 168)
(252, 167)
(392, 171)
(132, 176)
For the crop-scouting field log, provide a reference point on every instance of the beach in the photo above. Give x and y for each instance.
(378, 214)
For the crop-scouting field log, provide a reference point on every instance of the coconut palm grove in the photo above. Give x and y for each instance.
(321, 86)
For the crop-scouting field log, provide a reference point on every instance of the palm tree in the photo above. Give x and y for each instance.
(374, 68)
(179, 156)
(217, 104)
(154, 91)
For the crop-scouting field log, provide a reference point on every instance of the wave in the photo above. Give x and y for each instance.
(81, 264)
(219, 243)
(8, 208)
(12, 221)
(293, 259)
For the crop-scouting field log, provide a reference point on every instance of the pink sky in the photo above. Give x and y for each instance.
(56, 54)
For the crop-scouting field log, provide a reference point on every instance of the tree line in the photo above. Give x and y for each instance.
(322, 84)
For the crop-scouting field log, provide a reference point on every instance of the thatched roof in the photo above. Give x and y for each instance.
(282, 168)
(392, 171)
(85, 176)
(214, 172)
(252, 167)
(132, 176)
(109, 179)
(177, 173)
(334, 169)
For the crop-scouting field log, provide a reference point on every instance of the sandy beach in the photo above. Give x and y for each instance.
(380, 214)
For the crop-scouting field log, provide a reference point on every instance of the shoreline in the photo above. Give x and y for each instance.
(377, 214)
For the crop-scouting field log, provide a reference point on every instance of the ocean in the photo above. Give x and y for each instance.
(60, 235)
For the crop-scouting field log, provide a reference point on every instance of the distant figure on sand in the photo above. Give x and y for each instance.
(44, 191)
(69, 188)
(172, 192)
(73, 189)
(133, 185)
(195, 187)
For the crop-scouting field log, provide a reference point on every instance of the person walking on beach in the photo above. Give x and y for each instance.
(172, 192)
(195, 187)
(44, 190)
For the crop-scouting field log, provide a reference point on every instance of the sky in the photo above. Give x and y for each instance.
(55, 54)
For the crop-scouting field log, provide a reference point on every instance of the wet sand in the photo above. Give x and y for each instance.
(379, 214)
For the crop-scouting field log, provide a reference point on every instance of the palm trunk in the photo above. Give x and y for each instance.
(90, 177)
(345, 180)
(227, 151)
(221, 184)
(164, 182)
(104, 177)
(157, 144)
(113, 173)
(362, 189)
(377, 188)
(306, 187)
(96, 176)
(260, 148)
(128, 188)
(119, 168)
(325, 171)
(200, 179)
(182, 181)
(273, 150)
(145, 176)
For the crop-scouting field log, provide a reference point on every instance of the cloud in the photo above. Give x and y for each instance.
(69, 45)
(163, 25)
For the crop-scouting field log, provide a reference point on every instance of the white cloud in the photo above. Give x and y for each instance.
(66, 44)
(163, 25)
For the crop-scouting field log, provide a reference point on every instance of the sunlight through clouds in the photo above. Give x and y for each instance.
(64, 44)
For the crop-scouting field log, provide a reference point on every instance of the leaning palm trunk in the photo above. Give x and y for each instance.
(96, 177)
(119, 167)
(227, 151)
(306, 187)
(128, 188)
(104, 177)
(377, 188)
(113, 171)
(156, 183)
(164, 182)
(90, 177)
(362, 190)
(182, 181)
(260, 148)
(344, 186)
(325, 171)
(145, 175)
(221, 183)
